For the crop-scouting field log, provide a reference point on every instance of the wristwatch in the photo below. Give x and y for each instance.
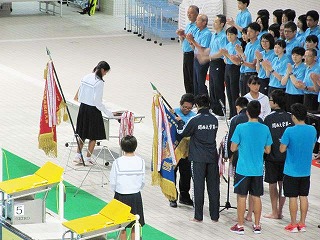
(271, 71)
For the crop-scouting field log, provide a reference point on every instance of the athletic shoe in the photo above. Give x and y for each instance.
(173, 204)
(256, 229)
(89, 163)
(236, 229)
(77, 159)
(188, 202)
(292, 228)
(302, 227)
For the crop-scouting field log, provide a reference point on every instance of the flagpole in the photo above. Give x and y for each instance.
(64, 100)
(154, 88)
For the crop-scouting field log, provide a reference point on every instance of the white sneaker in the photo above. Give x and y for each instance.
(89, 162)
(77, 159)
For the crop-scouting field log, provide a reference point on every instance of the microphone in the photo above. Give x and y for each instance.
(222, 105)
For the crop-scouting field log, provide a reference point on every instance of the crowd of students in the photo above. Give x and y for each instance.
(284, 55)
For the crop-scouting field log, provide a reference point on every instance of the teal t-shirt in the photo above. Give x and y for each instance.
(252, 138)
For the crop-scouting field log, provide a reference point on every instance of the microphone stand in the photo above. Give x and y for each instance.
(227, 204)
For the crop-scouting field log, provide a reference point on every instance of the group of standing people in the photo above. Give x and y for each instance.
(267, 72)
(283, 56)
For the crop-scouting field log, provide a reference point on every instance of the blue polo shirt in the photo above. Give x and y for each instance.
(185, 118)
(251, 138)
(249, 52)
(314, 31)
(270, 55)
(299, 73)
(300, 140)
(307, 80)
(203, 38)
(280, 66)
(218, 41)
(301, 37)
(190, 28)
(243, 19)
(232, 50)
(261, 33)
(294, 42)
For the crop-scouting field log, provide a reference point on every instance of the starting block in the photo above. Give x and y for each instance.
(113, 217)
(18, 203)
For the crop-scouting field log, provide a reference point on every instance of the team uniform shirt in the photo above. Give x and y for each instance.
(243, 19)
(300, 140)
(299, 72)
(203, 130)
(184, 118)
(218, 41)
(203, 38)
(307, 80)
(270, 55)
(249, 52)
(190, 28)
(127, 175)
(314, 31)
(277, 122)
(301, 37)
(263, 100)
(261, 33)
(231, 50)
(280, 66)
(252, 138)
(91, 93)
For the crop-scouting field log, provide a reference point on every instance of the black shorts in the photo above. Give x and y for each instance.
(273, 171)
(252, 185)
(296, 186)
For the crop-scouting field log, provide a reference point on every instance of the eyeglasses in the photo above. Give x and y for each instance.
(255, 83)
(288, 31)
(270, 99)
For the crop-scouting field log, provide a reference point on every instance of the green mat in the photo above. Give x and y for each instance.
(15, 166)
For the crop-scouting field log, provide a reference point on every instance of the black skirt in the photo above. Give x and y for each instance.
(90, 123)
(135, 202)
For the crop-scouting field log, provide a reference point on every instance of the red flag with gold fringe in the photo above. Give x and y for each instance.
(51, 111)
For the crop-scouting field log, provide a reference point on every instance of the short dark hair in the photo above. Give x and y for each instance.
(188, 97)
(254, 109)
(263, 12)
(268, 37)
(298, 50)
(278, 13)
(299, 111)
(290, 14)
(245, 1)
(291, 25)
(242, 102)
(202, 101)
(222, 18)
(278, 97)
(281, 43)
(313, 14)
(253, 78)
(264, 22)
(254, 26)
(128, 144)
(244, 30)
(275, 28)
(303, 19)
(232, 30)
(312, 38)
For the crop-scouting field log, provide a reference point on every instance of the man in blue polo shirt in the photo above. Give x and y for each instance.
(188, 54)
(290, 31)
(252, 140)
(217, 65)
(298, 141)
(248, 58)
(243, 18)
(200, 41)
(312, 23)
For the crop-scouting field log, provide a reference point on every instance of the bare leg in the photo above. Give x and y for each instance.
(91, 145)
(282, 200)
(133, 234)
(241, 208)
(274, 201)
(293, 208)
(123, 235)
(303, 209)
(250, 209)
(257, 208)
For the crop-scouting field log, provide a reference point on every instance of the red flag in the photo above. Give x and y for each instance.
(52, 106)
